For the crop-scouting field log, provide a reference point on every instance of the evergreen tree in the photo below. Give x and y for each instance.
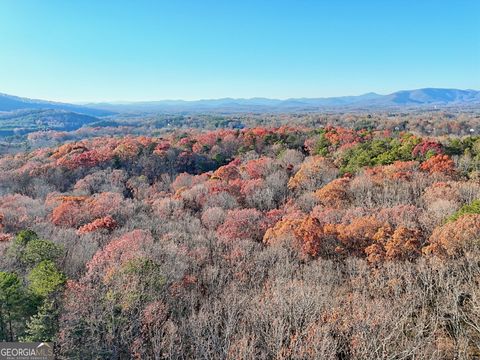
(43, 326)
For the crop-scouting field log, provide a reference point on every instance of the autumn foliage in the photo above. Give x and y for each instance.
(456, 237)
(243, 243)
(107, 223)
(243, 224)
(441, 164)
(335, 194)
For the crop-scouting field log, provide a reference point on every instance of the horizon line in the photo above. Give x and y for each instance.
(124, 102)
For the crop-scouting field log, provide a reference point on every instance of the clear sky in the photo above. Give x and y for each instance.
(96, 50)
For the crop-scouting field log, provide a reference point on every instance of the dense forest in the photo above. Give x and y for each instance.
(318, 240)
(31, 129)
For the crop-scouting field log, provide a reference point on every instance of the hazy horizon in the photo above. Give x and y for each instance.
(124, 101)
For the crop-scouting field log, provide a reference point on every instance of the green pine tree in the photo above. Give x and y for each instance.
(43, 326)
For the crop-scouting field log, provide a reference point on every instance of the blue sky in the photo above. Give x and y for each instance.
(149, 50)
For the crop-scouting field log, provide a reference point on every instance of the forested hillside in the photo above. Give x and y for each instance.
(22, 122)
(255, 243)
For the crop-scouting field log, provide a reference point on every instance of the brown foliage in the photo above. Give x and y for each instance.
(456, 237)
(335, 194)
(107, 223)
(315, 171)
(439, 164)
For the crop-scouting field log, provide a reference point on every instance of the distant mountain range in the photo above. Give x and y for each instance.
(428, 97)
(420, 98)
(20, 116)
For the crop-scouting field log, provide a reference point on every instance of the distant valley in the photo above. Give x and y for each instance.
(20, 116)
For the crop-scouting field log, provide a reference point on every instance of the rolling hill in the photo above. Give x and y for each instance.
(11, 103)
(20, 122)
